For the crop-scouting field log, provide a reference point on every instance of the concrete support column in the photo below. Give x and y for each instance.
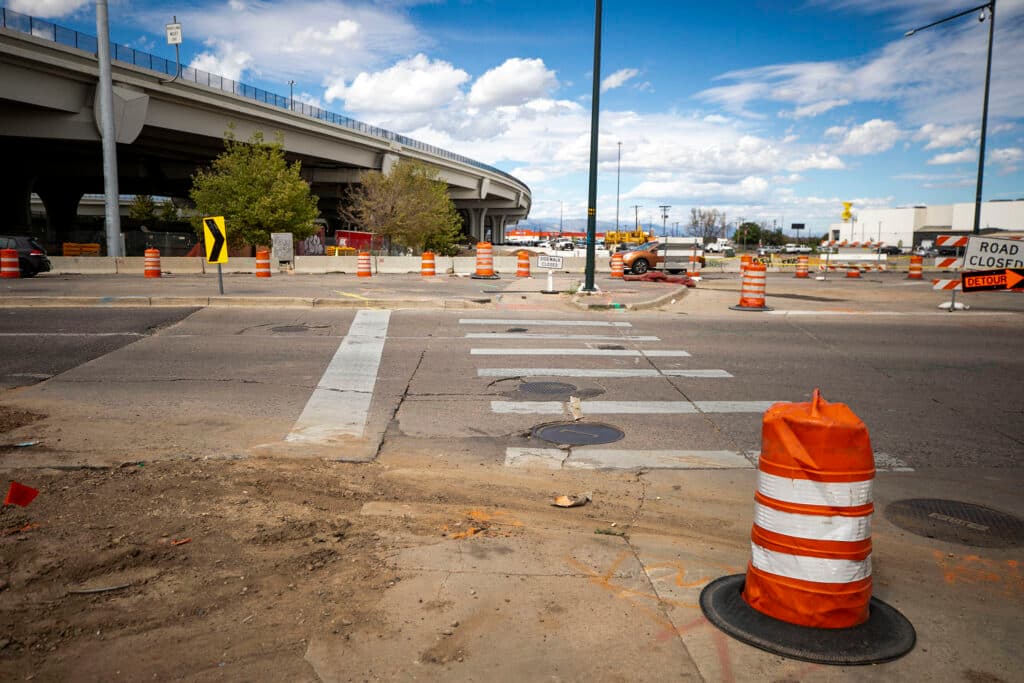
(15, 201)
(477, 219)
(61, 203)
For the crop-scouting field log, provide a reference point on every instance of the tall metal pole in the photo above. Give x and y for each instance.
(636, 216)
(618, 178)
(105, 89)
(984, 119)
(595, 102)
(291, 95)
(664, 217)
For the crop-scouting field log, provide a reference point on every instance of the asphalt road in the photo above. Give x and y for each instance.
(934, 391)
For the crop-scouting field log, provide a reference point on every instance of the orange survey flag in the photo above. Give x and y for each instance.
(19, 494)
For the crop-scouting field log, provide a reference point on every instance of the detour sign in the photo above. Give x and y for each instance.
(980, 280)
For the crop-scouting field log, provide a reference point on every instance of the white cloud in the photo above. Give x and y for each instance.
(960, 157)
(618, 79)
(815, 109)
(413, 85)
(325, 44)
(226, 60)
(822, 160)
(514, 82)
(939, 137)
(1007, 155)
(48, 9)
(871, 137)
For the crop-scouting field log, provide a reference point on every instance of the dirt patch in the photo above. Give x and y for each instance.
(195, 570)
(11, 418)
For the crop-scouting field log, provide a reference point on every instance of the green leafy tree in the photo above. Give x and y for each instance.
(143, 209)
(256, 190)
(409, 205)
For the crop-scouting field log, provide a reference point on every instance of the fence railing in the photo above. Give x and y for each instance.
(46, 30)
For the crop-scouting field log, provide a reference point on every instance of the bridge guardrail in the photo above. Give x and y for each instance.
(46, 30)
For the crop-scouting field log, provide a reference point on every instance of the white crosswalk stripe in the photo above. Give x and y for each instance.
(630, 353)
(543, 323)
(561, 337)
(631, 407)
(607, 372)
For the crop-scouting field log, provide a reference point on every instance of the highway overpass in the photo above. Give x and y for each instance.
(166, 128)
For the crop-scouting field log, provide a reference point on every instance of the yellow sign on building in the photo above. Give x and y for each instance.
(846, 211)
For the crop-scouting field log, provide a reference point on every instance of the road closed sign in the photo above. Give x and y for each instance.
(989, 253)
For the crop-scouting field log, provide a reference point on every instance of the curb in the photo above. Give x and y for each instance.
(232, 302)
(635, 306)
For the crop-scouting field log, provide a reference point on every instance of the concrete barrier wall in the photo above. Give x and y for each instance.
(85, 265)
(185, 265)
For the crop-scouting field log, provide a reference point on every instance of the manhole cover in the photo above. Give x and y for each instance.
(546, 388)
(289, 329)
(956, 522)
(577, 433)
(516, 329)
(611, 347)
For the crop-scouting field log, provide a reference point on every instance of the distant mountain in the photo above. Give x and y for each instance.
(568, 225)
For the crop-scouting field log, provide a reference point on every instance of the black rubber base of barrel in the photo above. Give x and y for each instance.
(751, 308)
(885, 636)
(484, 277)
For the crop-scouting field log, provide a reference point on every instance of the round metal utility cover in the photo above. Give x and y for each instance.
(547, 388)
(577, 433)
(957, 522)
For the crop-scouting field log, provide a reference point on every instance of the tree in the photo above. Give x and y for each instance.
(707, 224)
(256, 190)
(758, 233)
(143, 209)
(409, 205)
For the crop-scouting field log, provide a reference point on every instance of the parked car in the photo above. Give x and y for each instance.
(890, 250)
(770, 249)
(673, 256)
(796, 249)
(32, 258)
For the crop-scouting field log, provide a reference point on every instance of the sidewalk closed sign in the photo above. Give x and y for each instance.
(988, 253)
(549, 262)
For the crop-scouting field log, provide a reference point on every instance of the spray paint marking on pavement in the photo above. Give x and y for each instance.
(341, 401)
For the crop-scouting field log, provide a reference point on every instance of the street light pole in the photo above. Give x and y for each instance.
(595, 101)
(618, 178)
(664, 217)
(991, 8)
(105, 90)
(636, 216)
(291, 98)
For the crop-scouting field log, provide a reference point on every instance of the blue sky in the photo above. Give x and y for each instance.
(772, 111)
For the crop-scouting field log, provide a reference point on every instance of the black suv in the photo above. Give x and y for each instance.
(31, 255)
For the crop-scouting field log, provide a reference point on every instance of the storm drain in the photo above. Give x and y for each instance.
(547, 389)
(517, 329)
(611, 347)
(577, 433)
(957, 522)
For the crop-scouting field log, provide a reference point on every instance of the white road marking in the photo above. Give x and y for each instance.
(341, 401)
(631, 407)
(876, 313)
(563, 337)
(633, 353)
(606, 372)
(543, 323)
(594, 459)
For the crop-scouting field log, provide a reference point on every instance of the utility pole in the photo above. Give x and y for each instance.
(664, 217)
(291, 95)
(636, 216)
(105, 89)
(595, 106)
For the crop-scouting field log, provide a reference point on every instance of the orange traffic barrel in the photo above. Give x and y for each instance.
(427, 264)
(694, 269)
(853, 271)
(807, 589)
(801, 266)
(745, 260)
(152, 263)
(916, 268)
(262, 262)
(9, 263)
(617, 267)
(363, 264)
(523, 263)
(753, 288)
(484, 262)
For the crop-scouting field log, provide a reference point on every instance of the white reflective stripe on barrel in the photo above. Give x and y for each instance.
(814, 527)
(810, 492)
(804, 568)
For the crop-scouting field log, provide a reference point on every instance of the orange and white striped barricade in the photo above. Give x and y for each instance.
(807, 589)
(618, 269)
(752, 291)
(948, 263)
(801, 267)
(522, 263)
(951, 241)
(745, 260)
(916, 271)
(151, 264)
(428, 264)
(694, 269)
(951, 286)
(853, 271)
(363, 264)
(262, 262)
(484, 262)
(9, 263)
